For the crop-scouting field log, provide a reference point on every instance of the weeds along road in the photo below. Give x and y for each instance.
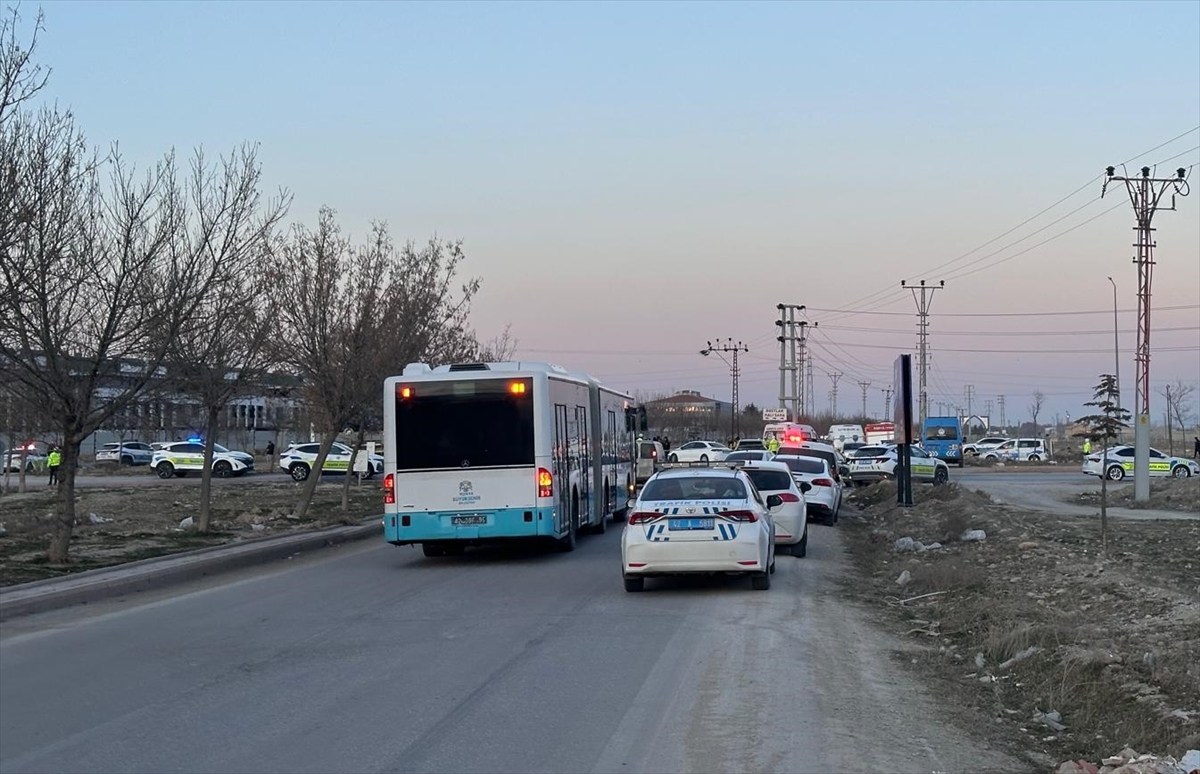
(373, 658)
(1047, 492)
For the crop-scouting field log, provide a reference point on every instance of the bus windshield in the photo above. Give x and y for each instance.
(465, 424)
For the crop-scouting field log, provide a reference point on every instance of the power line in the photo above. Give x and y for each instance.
(1007, 334)
(1011, 314)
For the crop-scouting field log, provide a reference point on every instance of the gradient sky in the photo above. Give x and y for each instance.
(632, 180)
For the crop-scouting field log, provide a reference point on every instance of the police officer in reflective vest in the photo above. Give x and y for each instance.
(53, 462)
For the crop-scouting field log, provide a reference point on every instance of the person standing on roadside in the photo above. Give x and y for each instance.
(1087, 445)
(53, 462)
(1196, 447)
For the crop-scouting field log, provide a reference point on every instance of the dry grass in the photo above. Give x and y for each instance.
(1119, 637)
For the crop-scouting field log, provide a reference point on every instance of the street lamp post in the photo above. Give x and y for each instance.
(1116, 345)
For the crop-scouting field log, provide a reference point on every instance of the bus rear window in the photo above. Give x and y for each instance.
(464, 424)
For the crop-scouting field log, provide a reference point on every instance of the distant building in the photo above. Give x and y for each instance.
(688, 414)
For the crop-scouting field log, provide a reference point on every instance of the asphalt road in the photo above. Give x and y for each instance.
(375, 659)
(1049, 492)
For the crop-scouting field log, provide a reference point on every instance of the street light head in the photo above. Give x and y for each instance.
(1180, 173)
(1145, 171)
(1110, 171)
(903, 283)
(943, 283)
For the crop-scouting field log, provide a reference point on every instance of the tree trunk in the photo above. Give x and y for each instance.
(354, 452)
(205, 515)
(21, 472)
(310, 485)
(64, 524)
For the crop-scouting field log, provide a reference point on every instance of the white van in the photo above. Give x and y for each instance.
(840, 434)
(649, 459)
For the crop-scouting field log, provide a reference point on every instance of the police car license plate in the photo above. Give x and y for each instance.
(674, 524)
(470, 519)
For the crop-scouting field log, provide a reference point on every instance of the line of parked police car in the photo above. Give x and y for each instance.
(707, 508)
(177, 459)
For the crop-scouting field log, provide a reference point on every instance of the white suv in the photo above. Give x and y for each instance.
(298, 459)
(181, 457)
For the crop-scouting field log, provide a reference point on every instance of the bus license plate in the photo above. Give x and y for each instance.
(466, 520)
(674, 524)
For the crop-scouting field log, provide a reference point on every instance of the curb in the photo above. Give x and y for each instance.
(163, 571)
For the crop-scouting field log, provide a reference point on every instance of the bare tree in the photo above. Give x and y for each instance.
(99, 276)
(1179, 410)
(1035, 407)
(348, 317)
(21, 78)
(221, 349)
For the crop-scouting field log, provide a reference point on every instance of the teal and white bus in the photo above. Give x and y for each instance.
(475, 453)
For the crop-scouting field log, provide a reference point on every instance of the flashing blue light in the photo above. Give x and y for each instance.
(195, 440)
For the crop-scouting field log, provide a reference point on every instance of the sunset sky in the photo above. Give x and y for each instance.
(632, 180)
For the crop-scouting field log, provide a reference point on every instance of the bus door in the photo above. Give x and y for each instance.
(562, 470)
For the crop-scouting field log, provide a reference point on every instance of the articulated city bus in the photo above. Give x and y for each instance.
(481, 452)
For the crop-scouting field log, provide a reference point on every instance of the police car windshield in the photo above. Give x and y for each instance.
(694, 488)
(745, 455)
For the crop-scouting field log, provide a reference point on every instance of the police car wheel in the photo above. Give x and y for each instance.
(1181, 471)
(760, 581)
(673, 458)
(1034, 458)
(222, 469)
(165, 470)
(801, 549)
(635, 584)
(1116, 473)
(941, 477)
(298, 471)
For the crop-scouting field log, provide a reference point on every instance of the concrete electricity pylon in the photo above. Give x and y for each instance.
(791, 358)
(810, 391)
(887, 401)
(923, 295)
(864, 386)
(1003, 419)
(834, 377)
(1145, 194)
(969, 394)
(735, 422)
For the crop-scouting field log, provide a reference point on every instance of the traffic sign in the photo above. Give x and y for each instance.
(774, 415)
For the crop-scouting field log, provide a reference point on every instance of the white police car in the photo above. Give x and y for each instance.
(181, 457)
(298, 460)
(699, 520)
(878, 463)
(1120, 463)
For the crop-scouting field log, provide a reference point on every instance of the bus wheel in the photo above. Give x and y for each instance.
(602, 527)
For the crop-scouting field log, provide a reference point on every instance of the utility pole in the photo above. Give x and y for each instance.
(923, 295)
(735, 421)
(1003, 419)
(887, 401)
(969, 393)
(810, 391)
(987, 409)
(865, 386)
(789, 365)
(834, 377)
(1145, 193)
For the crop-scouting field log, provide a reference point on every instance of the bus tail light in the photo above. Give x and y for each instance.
(740, 515)
(545, 483)
(641, 517)
(389, 489)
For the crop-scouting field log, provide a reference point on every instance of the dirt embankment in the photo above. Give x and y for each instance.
(122, 524)
(1166, 494)
(1055, 647)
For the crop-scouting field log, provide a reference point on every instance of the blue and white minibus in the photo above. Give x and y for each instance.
(482, 452)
